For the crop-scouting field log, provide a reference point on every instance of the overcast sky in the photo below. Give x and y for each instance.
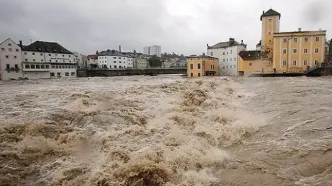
(180, 26)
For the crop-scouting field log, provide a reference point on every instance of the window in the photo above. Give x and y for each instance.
(56, 60)
(67, 74)
(198, 66)
(42, 60)
(9, 44)
(32, 66)
(16, 66)
(53, 66)
(270, 20)
(270, 41)
(227, 66)
(17, 50)
(7, 66)
(223, 60)
(69, 55)
(230, 59)
(60, 66)
(284, 63)
(73, 74)
(316, 51)
(42, 66)
(114, 57)
(305, 51)
(211, 53)
(50, 60)
(64, 61)
(26, 59)
(269, 33)
(63, 55)
(284, 51)
(306, 39)
(37, 66)
(231, 51)
(191, 74)
(285, 40)
(211, 67)
(295, 40)
(56, 54)
(119, 57)
(27, 66)
(15, 57)
(250, 64)
(49, 54)
(316, 62)
(234, 66)
(52, 74)
(317, 38)
(57, 66)
(199, 74)
(227, 59)
(305, 62)
(223, 53)
(115, 66)
(34, 59)
(41, 54)
(33, 54)
(58, 74)
(3, 49)
(294, 51)
(235, 59)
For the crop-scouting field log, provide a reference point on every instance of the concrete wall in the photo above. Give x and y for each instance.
(112, 62)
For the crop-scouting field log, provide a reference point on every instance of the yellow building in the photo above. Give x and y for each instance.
(298, 51)
(202, 66)
(283, 52)
(254, 62)
(270, 25)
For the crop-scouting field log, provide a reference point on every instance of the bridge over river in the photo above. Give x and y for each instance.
(128, 72)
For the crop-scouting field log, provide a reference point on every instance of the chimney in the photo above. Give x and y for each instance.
(263, 12)
(241, 41)
(203, 54)
(300, 29)
(21, 45)
(120, 48)
(231, 39)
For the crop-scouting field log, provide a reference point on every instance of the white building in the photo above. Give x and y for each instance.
(10, 60)
(112, 59)
(227, 53)
(152, 50)
(47, 60)
(80, 59)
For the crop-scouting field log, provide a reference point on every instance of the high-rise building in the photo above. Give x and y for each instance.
(152, 50)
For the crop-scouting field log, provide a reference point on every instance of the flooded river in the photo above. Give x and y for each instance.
(166, 130)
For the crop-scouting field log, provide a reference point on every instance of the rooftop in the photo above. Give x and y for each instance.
(226, 44)
(201, 56)
(252, 55)
(269, 13)
(111, 53)
(301, 32)
(49, 47)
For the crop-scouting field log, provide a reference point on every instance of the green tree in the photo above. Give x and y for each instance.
(155, 61)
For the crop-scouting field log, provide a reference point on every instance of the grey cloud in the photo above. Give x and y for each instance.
(90, 25)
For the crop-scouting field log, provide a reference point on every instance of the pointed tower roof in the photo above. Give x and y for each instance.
(269, 13)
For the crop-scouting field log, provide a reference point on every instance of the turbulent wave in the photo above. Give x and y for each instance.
(168, 133)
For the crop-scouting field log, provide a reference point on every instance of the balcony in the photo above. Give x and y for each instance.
(12, 69)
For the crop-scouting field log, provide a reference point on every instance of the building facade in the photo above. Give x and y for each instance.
(152, 50)
(270, 25)
(10, 60)
(227, 53)
(92, 61)
(198, 66)
(47, 60)
(298, 51)
(141, 63)
(112, 59)
(254, 62)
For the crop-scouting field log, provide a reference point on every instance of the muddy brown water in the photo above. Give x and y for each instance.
(166, 130)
